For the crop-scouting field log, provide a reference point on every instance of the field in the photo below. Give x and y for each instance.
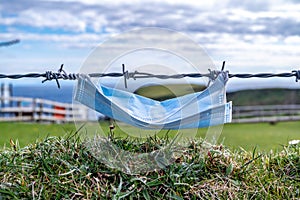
(263, 136)
(26, 133)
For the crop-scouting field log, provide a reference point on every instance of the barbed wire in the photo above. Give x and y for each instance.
(8, 43)
(212, 74)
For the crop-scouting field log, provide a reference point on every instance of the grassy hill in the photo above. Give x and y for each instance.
(265, 97)
(275, 96)
(160, 93)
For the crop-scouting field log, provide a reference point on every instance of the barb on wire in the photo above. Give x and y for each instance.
(212, 74)
(61, 74)
(297, 74)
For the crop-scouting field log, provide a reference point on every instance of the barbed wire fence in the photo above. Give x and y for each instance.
(61, 74)
(8, 43)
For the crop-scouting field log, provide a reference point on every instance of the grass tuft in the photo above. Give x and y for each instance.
(64, 168)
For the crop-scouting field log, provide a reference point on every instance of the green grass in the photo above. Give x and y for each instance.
(63, 168)
(27, 133)
(262, 136)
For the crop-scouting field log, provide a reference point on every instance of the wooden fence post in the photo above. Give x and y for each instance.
(34, 106)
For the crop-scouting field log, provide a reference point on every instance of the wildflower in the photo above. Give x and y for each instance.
(294, 142)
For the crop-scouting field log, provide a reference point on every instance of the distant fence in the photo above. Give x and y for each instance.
(266, 113)
(40, 110)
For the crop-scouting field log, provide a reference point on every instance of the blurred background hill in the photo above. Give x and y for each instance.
(277, 96)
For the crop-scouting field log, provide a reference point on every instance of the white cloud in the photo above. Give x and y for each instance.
(255, 35)
(186, 16)
(50, 19)
(292, 40)
(201, 4)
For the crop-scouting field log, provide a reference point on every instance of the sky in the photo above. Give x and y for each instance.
(252, 36)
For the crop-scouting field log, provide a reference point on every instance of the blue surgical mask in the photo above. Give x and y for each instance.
(196, 110)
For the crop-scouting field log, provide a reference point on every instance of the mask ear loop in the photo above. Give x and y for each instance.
(213, 74)
(213, 132)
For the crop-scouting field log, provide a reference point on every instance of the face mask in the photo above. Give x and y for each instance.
(196, 110)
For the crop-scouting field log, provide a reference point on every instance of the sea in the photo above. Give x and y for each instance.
(50, 92)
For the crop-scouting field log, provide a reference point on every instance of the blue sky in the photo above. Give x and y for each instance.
(252, 36)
